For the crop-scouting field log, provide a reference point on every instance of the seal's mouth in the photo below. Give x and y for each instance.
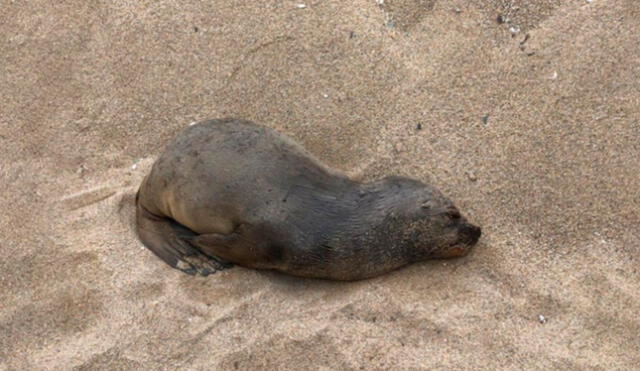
(454, 251)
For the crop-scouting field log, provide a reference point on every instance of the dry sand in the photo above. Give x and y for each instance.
(536, 141)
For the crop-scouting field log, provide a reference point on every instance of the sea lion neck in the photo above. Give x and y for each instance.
(348, 199)
(350, 210)
(377, 196)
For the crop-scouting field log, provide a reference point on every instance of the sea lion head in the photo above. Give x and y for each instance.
(424, 222)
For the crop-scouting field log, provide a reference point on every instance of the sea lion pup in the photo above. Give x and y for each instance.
(230, 191)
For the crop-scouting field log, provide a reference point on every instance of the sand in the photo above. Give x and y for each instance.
(537, 141)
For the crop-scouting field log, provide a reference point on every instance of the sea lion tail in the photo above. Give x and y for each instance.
(170, 242)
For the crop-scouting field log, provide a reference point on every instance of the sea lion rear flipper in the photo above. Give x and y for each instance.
(170, 242)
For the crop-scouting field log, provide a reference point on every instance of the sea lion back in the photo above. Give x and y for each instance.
(239, 163)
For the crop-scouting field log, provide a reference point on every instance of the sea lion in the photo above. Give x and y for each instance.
(229, 191)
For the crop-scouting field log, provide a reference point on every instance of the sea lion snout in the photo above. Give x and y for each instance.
(470, 234)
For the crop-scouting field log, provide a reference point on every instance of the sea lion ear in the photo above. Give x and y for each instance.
(426, 205)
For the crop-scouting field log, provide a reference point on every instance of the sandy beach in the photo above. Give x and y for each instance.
(525, 113)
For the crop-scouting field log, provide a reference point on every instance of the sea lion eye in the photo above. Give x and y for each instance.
(454, 214)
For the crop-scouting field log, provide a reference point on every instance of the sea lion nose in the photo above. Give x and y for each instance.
(471, 233)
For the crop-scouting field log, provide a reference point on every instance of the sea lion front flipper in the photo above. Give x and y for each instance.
(170, 242)
(243, 246)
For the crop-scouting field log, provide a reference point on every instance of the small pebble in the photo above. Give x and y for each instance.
(514, 29)
(501, 19)
(472, 176)
(419, 127)
(485, 119)
(554, 75)
(135, 165)
(193, 123)
(325, 95)
(542, 319)
(301, 6)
